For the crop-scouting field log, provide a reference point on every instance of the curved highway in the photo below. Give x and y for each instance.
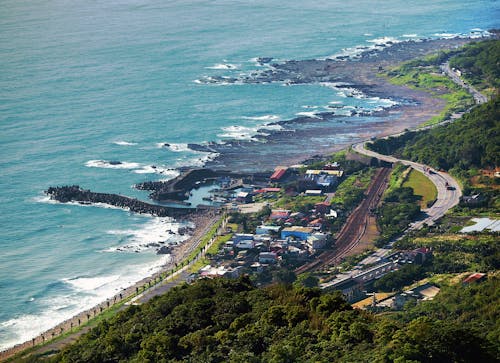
(448, 190)
(478, 96)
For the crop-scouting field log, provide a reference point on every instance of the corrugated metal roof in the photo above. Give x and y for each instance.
(338, 173)
(278, 174)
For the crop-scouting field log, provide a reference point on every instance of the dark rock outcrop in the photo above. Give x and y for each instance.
(74, 193)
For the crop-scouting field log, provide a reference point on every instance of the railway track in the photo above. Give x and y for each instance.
(355, 226)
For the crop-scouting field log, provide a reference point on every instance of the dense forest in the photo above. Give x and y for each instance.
(479, 63)
(232, 321)
(397, 211)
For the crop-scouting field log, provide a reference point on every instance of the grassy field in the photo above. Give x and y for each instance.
(298, 203)
(350, 191)
(431, 80)
(421, 186)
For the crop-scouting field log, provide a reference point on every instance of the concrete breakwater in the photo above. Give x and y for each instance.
(74, 193)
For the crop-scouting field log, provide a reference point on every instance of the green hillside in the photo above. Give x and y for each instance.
(232, 321)
(472, 142)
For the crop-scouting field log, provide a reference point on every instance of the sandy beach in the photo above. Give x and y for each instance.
(202, 221)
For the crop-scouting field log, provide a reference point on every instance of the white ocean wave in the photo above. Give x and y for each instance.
(310, 114)
(86, 293)
(218, 81)
(410, 36)
(124, 143)
(239, 132)
(336, 85)
(90, 283)
(205, 159)
(112, 164)
(135, 167)
(48, 200)
(447, 35)
(153, 169)
(345, 90)
(44, 199)
(355, 52)
(384, 40)
(154, 234)
(271, 127)
(262, 118)
(225, 66)
(177, 147)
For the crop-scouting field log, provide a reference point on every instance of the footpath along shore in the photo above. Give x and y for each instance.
(142, 290)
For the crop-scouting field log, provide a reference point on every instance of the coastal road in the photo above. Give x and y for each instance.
(448, 190)
(478, 96)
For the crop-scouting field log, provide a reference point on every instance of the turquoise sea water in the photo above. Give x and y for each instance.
(85, 82)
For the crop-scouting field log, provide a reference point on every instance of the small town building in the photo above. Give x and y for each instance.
(279, 174)
(475, 277)
(301, 233)
(313, 192)
(351, 289)
(324, 178)
(267, 229)
(244, 197)
(245, 244)
(277, 214)
(268, 257)
(242, 236)
(323, 207)
(419, 255)
(332, 214)
(317, 241)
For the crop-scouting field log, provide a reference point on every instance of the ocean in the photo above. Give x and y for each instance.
(86, 83)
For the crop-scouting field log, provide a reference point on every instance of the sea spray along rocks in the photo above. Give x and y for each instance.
(74, 193)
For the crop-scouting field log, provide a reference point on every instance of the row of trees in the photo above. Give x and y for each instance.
(398, 210)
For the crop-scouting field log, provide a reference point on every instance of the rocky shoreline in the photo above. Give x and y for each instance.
(360, 77)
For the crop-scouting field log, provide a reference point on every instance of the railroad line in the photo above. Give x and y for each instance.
(355, 226)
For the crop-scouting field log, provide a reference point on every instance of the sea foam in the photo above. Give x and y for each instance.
(262, 118)
(179, 147)
(83, 294)
(124, 143)
(112, 164)
(157, 232)
(224, 66)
